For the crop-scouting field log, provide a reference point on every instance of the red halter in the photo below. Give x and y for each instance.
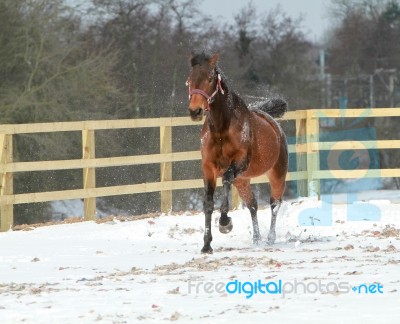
(205, 94)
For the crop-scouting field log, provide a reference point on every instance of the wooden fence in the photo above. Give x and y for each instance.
(306, 148)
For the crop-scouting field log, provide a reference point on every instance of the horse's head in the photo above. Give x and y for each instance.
(204, 83)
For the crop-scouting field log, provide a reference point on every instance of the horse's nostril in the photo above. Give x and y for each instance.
(197, 112)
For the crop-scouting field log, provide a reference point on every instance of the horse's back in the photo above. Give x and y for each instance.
(270, 121)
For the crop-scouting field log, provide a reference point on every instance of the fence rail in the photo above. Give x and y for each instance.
(307, 149)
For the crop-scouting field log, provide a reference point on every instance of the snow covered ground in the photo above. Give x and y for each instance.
(151, 270)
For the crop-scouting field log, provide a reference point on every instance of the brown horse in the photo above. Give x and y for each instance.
(237, 144)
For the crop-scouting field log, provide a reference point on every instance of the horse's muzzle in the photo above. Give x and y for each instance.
(196, 114)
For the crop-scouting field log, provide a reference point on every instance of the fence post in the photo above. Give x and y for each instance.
(312, 139)
(166, 167)
(7, 182)
(235, 198)
(89, 174)
(301, 157)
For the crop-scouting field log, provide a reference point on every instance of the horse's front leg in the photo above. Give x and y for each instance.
(208, 206)
(225, 222)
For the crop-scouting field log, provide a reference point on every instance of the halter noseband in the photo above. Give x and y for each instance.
(210, 99)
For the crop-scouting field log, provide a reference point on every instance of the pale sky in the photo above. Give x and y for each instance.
(314, 12)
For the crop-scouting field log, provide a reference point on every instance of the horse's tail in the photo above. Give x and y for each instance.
(275, 107)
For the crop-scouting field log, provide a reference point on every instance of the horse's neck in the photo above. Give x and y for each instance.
(226, 108)
(221, 114)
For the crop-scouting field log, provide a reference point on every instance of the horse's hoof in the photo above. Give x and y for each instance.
(256, 240)
(207, 250)
(225, 229)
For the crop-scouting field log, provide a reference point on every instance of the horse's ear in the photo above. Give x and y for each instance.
(213, 60)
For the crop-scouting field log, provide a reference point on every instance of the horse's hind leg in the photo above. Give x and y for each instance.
(275, 206)
(225, 222)
(243, 186)
(277, 176)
